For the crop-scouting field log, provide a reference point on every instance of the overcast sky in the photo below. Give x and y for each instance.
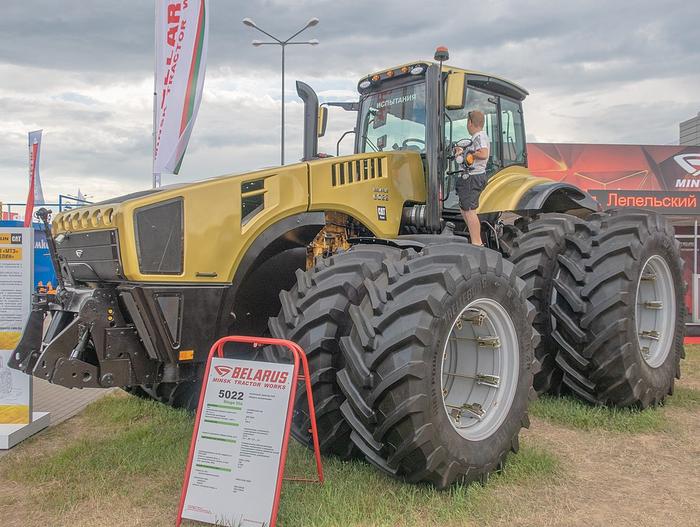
(597, 71)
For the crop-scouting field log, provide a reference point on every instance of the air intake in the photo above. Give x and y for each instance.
(358, 170)
(159, 233)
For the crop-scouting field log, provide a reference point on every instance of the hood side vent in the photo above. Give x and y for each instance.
(357, 170)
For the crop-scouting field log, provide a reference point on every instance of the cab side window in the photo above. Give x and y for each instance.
(513, 133)
(477, 100)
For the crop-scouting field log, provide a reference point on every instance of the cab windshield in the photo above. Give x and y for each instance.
(393, 120)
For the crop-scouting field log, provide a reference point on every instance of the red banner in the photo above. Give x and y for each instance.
(33, 197)
(652, 177)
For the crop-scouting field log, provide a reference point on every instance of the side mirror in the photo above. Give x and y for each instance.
(455, 92)
(322, 120)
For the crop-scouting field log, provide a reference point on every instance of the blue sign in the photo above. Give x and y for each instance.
(44, 273)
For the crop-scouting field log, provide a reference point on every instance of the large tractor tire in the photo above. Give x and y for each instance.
(619, 310)
(533, 246)
(314, 314)
(439, 365)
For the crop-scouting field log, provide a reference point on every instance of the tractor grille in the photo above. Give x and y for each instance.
(90, 256)
(358, 170)
(159, 237)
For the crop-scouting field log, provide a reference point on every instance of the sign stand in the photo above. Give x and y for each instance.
(17, 420)
(10, 435)
(298, 356)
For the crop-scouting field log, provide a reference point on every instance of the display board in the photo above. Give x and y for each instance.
(665, 178)
(16, 261)
(235, 468)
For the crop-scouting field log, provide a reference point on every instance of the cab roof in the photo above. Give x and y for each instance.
(485, 81)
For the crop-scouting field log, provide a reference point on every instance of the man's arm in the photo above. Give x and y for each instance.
(482, 153)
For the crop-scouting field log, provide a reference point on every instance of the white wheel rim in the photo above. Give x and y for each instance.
(479, 369)
(655, 311)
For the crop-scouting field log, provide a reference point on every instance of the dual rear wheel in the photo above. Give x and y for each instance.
(433, 362)
(434, 366)
(618, 310)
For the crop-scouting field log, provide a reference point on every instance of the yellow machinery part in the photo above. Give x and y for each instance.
(215, 239)
(372, 187)
(331, 239)
(506, 188)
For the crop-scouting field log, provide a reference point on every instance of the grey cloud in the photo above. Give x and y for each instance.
(61, 62)
(116, 38)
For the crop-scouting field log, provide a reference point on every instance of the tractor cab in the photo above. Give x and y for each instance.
(394, 109)
(423, 107)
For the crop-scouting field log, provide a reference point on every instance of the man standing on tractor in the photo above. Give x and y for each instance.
(473, 180)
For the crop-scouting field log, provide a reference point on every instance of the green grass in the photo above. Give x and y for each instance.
(130, 439)
(137, 449)
(128, 450)
(688, 398)
(573, 413)
(357, 494)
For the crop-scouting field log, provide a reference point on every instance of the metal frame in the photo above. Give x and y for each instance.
(298, 356)
(655, 311)
(694, 285)
(63, 204)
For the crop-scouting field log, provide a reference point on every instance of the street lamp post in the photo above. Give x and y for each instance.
(283, 44)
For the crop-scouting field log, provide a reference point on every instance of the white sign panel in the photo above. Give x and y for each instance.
(236, 460)
(16, 260)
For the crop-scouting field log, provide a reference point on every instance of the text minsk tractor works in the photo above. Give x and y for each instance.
(424, 349)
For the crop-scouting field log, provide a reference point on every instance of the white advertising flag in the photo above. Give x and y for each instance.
(181, 50)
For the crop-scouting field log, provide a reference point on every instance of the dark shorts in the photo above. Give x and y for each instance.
(469, 190)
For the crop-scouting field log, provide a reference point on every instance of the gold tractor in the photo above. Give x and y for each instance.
(425, 350)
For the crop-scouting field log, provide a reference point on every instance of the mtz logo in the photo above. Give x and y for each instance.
(223, 371)
(16, 238)
(689, 162)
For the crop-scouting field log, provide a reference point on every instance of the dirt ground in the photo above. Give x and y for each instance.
(614, 479)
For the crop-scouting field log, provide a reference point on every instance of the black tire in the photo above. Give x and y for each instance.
(182, 394)
(394, 352)
(595, 310)
(185, 393)
(314, 314)
(533, 246)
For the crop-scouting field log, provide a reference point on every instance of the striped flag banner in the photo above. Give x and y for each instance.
(35, 196)
(181, 51)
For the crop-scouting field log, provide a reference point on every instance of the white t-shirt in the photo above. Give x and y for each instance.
(479, 140)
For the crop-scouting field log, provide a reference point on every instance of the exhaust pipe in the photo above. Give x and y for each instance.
(308, 95)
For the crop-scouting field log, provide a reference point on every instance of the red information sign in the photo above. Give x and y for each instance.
(239, 443)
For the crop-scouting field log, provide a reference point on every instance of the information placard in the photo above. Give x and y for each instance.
(16, 260)
(236, 463)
